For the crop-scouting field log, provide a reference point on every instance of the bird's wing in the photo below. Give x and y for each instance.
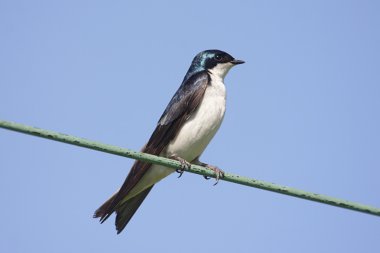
(126, 210)
(184, 102)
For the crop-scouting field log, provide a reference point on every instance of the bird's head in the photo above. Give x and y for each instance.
(215, 61)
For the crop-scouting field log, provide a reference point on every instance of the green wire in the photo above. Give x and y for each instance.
(194, 168)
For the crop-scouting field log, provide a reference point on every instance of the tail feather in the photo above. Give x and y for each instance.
(104, 211)
(124, 212)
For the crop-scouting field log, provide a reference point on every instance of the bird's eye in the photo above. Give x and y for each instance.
(218, 57)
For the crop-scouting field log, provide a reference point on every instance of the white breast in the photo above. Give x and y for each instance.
(201, 127)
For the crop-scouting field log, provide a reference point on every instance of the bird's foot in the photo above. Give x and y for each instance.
(218, 172)
(185, 165)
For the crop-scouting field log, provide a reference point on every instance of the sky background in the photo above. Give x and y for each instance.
(303, 112)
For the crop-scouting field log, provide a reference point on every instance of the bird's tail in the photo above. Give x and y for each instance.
(103, 212)
(124, 212)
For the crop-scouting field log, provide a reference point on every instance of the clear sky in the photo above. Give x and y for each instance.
(303, 112)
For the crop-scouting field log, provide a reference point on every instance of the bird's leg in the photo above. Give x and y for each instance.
(218, 172)
(184, 164)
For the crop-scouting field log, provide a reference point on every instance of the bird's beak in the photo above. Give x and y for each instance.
(236, 62)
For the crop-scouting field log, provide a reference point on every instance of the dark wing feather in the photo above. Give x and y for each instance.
(126, 210)
(184, 102)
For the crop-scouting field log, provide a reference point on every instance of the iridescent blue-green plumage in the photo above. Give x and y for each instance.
(204, 60)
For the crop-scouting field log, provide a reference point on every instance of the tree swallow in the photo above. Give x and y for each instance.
(186, 127)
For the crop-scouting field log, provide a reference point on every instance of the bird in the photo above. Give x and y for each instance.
(189, 122)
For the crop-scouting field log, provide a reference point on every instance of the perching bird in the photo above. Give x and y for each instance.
(186, 127)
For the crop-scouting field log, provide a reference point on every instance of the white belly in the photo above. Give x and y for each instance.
(201, 127)
(152, 176)
(193, 137)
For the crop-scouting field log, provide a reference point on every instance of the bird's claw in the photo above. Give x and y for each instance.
(218, 172)
(185, 165)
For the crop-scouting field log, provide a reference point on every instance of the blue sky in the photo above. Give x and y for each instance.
(303, 112)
